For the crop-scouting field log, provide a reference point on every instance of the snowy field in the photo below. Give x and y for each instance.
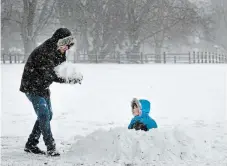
(90, 120)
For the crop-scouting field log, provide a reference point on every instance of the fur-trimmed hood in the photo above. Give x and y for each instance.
(142, 104)
(135, 101)
(61, 33)
(60, 37)
(65, 41)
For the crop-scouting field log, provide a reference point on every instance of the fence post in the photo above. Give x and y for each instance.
(216, 57)
(206, 57)
(164, 57)
(213, 58)
(10, 59)
(193, 56)
(219, 58)
(146, 58)
(4, 61)
(96, 56)
(209, 58)
(15, 59)
(141, 57)
(202, 57)
(189, 57)
(119, 57)
(198, 60)
(175, 59)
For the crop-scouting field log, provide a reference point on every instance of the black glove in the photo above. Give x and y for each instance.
(76, 80)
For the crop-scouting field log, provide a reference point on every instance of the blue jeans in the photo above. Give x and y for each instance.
(43, 110)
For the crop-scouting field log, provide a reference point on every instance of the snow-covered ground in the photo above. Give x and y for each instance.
(90, 120)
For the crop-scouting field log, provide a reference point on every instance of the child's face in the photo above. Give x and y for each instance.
(135, 111)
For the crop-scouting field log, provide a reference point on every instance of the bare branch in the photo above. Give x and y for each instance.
(9, 19)
(44, 20)
(161, 30)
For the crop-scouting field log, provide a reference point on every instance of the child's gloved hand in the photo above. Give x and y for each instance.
(139, 126)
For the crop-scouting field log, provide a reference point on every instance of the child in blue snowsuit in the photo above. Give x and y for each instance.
(141, 119)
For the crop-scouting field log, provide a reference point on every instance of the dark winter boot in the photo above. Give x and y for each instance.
(33, 149)
(52, 152)
(35, 134)
(33, 140)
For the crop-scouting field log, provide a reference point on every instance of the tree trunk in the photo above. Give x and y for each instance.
(159, 39)
(29, 45)
(27, 30)
(158, 53)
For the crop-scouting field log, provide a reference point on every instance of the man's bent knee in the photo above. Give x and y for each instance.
(43, 112)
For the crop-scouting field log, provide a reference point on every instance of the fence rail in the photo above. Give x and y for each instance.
(189, 57)
(165, 57)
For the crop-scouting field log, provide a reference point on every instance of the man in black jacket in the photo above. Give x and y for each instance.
(38, 75)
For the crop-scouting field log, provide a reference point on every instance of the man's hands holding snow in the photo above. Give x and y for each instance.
(77, 78)
(69, 73)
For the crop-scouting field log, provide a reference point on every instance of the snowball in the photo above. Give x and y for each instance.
(68, 71)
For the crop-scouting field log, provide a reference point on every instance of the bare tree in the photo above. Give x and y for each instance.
(31, 26)
(6, 12)
(32, 16)
(175, 20)
(72, 13)
(125, 24)
(99, 21)
(218, 35)
(9, 27)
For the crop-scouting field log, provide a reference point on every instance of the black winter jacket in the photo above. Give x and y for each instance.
(39, 72)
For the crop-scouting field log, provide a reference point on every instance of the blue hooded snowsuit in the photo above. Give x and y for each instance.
(144, 117)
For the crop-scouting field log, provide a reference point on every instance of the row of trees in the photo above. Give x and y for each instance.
(24, 21)
(125, 24)
(105, 26)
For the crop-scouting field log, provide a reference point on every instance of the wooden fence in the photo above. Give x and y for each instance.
(187, 58)
(12, 58)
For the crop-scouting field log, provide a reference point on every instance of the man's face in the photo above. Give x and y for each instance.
(63, 49)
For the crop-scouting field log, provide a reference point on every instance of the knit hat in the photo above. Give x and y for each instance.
(66, 41)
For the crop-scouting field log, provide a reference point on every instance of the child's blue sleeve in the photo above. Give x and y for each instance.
(131, 124)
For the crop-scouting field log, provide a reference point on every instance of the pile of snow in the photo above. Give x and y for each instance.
(68, 71)
(197, 108)
(199, 144)
(130, 147)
